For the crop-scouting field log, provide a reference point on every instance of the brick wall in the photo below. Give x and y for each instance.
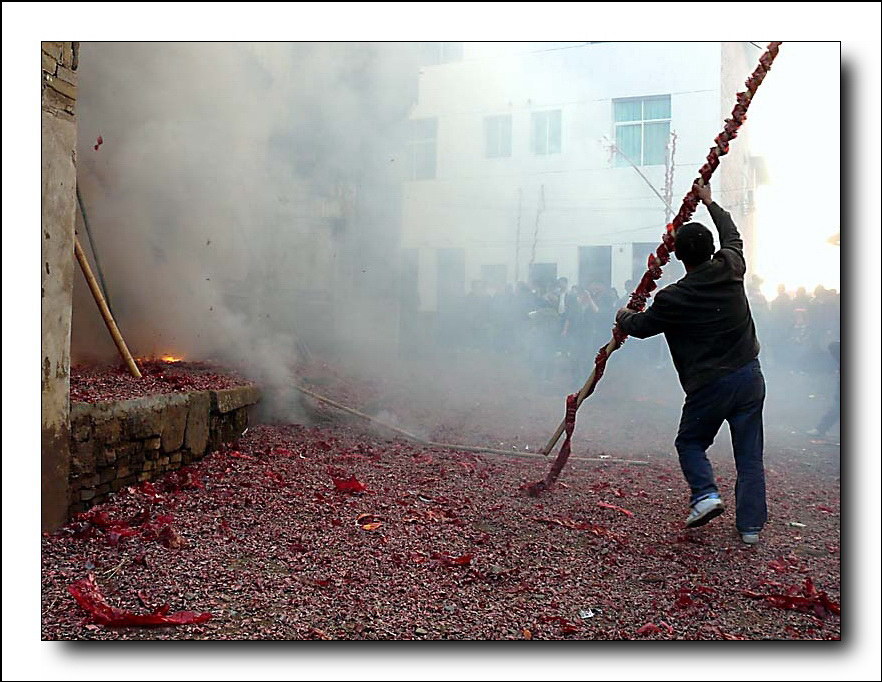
(59, 63)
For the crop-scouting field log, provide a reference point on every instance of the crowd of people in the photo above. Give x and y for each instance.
(558, 327)
(796, 331)
(553, 327)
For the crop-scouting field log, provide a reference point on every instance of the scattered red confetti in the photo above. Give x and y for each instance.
(606, 505)
(239, 455)
(96, 384)
(448, 560)
(592, 528)
(566, 627)
(348, 485)
(285, 539)
(810, 601)
(648, 629)
(90, 599)
(683, 600)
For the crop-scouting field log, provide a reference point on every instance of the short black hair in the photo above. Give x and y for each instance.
(693, 244)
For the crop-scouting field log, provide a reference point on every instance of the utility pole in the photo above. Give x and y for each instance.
(539, 209)
(517, 270)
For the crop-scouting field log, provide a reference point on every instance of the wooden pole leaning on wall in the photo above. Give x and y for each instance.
(104, 310)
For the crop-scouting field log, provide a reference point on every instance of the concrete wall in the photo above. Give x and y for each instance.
(58, 164)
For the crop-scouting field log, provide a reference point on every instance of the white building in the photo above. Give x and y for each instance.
(511, 170)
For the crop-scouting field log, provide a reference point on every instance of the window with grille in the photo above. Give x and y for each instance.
(643, 126)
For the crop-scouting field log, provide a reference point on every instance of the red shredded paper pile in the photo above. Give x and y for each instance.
(91, 600)
(810, 601)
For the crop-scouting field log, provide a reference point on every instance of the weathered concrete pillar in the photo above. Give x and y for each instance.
(58, 164)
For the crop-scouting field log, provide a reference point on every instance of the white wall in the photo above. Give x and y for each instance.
(473, 201)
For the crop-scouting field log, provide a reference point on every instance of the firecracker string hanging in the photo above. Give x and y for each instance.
(654, 264)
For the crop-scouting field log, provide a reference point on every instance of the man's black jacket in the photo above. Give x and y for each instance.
(705, 316)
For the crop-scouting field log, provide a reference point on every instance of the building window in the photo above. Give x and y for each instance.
(421, 148)
(546, 132)
(497, 133)
(643, 126)
(432, 54)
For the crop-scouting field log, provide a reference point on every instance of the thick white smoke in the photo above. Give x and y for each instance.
(215, 199)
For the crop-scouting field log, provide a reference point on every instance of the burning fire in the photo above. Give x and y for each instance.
(169, 359)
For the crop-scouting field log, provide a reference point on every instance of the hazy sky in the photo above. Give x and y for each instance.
(794, 123)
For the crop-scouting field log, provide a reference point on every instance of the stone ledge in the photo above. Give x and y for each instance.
(116, 444)
(229, 399)
(123, 408)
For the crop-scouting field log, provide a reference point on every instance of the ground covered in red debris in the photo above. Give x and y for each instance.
(332, 533)
(103, 383)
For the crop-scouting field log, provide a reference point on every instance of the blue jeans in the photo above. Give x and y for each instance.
(737, 398)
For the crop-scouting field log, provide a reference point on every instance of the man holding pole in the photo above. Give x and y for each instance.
(707, 323)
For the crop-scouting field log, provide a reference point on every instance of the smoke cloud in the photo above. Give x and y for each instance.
(246, 205)
(236, 185)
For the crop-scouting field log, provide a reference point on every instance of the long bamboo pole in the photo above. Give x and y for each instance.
(449, 446)
(104, 310)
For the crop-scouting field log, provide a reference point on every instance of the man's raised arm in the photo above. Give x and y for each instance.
(730, 238)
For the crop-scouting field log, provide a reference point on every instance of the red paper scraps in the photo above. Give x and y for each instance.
(606, 505)
(239, 455)
(90, 599)
(648, 629)
(348, 485)
(575, 525)
(450, 561)
(810, 601)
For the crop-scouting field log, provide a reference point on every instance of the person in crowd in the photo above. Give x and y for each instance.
(780, 326)
(831, 416)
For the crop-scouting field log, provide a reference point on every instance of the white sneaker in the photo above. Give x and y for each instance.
(750, 538)
(703, 511)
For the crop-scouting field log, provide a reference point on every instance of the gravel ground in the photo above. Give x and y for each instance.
(336, 530)
(445, 545)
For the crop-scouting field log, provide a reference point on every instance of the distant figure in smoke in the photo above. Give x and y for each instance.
(832, 415)
(780, 325)
(706, 320)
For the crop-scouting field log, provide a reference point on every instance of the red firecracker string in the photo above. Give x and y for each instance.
(655, 262)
